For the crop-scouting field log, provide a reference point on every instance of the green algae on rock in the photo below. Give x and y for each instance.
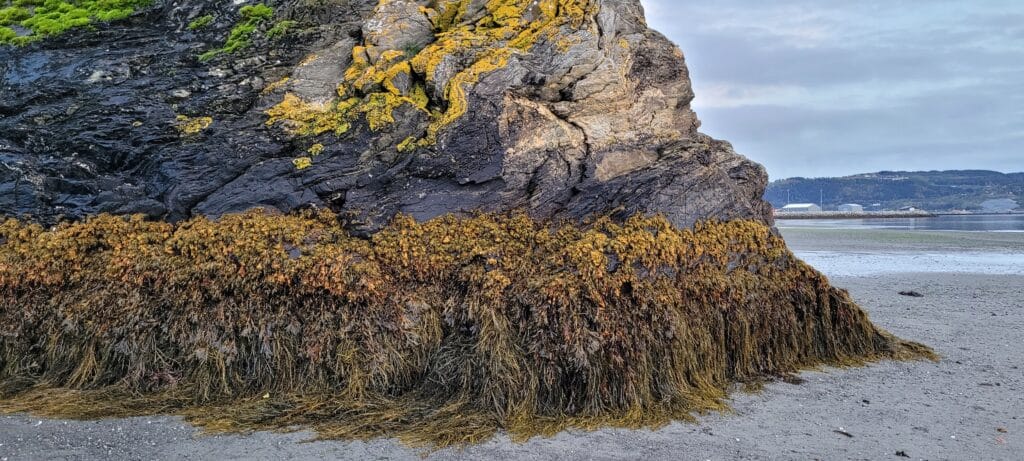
(438, 333)
(281, 29)
(240, 36)
(45, 18)
(201, 22)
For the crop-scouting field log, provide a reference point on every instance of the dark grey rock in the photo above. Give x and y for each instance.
(603, 125)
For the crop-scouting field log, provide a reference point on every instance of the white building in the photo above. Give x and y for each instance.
(851, 208)
(801, 208)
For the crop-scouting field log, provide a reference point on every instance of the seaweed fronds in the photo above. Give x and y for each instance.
(438, 333)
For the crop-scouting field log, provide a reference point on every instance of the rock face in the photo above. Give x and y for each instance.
(439, 331)
(563, 108)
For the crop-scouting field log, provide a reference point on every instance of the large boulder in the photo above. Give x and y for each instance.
(565, 109)
(441, 331)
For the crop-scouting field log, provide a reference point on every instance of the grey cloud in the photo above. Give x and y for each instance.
(868, 85)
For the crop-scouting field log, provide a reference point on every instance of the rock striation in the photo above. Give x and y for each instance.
(562, 108)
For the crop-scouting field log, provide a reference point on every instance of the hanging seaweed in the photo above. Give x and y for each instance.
(437, 333)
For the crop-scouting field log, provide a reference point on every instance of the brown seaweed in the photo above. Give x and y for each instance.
(437, 333)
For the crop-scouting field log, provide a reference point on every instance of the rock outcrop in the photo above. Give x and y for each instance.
(563, 108)
(384, 115)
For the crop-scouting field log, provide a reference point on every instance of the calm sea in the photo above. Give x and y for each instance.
(967, 223)
(983, 244)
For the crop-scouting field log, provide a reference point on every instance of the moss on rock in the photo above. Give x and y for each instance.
(252, 16)
(47, 18)
(281, 29)
(7, 34)
(201, 22)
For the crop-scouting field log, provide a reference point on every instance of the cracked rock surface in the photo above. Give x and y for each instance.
(592, 119)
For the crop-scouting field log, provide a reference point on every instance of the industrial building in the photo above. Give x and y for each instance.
(801, 208)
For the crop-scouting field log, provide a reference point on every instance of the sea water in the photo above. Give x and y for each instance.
(861, 264)
(953, 244)
(962, 223)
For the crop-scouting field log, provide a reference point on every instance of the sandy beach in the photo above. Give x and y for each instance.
(967, 406)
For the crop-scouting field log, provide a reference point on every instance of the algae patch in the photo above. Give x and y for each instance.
(252, 16)
(47, 18)
(201, 22)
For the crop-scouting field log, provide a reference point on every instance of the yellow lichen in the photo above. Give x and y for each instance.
(456, 92)
(360, 61)
(189, 126)
(486, 44)
(315, 149)
(391, 56)
(450, 14)
(379, 108)
(302, 163)
(395, 71)
(368, 80)
(276, 85)
(419, 97)
(408, 145)
(303, 118)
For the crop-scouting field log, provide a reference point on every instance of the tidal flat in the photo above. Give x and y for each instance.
(865, 251)
(966, 406)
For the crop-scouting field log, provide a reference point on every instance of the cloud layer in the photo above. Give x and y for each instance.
(834, 87)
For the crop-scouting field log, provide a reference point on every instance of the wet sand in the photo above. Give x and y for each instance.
(968, 406)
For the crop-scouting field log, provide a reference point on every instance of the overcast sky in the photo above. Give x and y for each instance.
(837, 87)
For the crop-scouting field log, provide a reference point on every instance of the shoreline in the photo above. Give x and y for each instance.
(870, 251)
(966, 406)
(795, 216)
(845, 215)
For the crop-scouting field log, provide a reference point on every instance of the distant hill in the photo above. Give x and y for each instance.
(971, 190)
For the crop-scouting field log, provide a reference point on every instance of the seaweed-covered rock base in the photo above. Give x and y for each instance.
(438, 333)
